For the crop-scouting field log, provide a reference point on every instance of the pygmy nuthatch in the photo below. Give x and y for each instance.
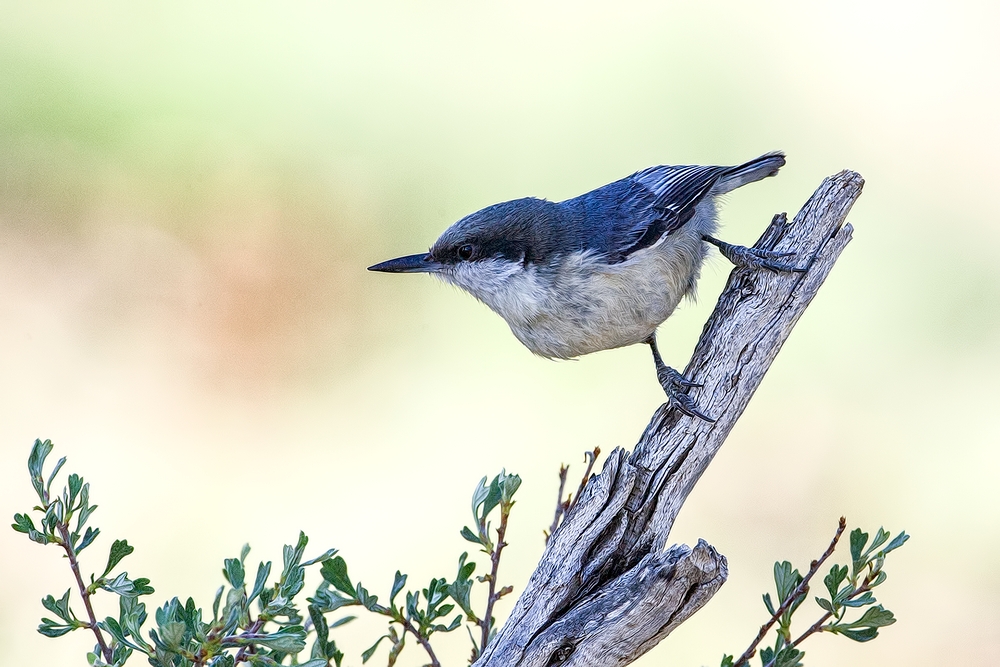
(601, 270)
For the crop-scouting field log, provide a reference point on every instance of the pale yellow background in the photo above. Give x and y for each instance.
(190, 193)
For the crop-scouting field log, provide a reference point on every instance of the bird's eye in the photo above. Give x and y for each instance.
(465, 252)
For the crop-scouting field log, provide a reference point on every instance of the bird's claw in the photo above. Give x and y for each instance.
(675, 385)
(755, 258)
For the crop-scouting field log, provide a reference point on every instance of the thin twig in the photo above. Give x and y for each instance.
(560, 506)
(487, 620)
(84, 593)
(563, 507)
(591, 459)
(799, 591)
(252, 630)
(408, 627)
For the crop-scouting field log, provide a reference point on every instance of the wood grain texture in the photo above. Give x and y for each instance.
(607, 590)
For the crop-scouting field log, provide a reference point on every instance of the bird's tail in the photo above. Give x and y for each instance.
(754, 170)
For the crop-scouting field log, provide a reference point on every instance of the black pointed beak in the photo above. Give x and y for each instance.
(423, 263)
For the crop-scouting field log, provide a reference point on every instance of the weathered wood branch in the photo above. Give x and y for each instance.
(606, 590)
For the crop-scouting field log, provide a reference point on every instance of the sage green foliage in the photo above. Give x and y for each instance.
(848, 586)
(259, 623)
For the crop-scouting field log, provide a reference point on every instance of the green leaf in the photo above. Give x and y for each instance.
(59, 607)
(263, 570)
(86, 509)
(844, 594)
(492, 498)
(786, 580)
(465, 570)
(142, 587)
(835, 579)
(327, 600)
(292, 580)
(119, 550)
(864, 635)
(88, 539)
(412, 600)
(788, 657)
(320, 624)
(292, 573)
(865, 628)
(290, 639)
(398, 642)
(509, 484)
(24, 524)
(342, 621)
(172, 634)
(826, 605)
(52, 475)
(860, 601)
(727, 661)
(397, 585)
(112, 627)
(459, 591)
(234, 573)
(479, 495)
(74, 483)
(366, 656)
(880, 537)
(876, 617)
(435, 592)
(335, 572)
(50, 628)
(370, 602)
(132, 614)
(120, 585)
(899, 541)
(36, 461)
(858, 541)
(768, 604)
(325, 556)
(471, 536)
(215, 604)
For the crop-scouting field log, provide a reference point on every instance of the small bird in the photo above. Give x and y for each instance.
(599, 271)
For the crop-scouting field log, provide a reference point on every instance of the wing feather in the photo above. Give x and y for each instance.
(664, 199)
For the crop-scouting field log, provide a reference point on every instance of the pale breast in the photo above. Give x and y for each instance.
(593, 306)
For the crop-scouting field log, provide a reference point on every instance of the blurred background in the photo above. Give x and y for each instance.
(190, 194)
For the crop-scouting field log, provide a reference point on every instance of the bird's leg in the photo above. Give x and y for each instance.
(753, 258)
(675, 385)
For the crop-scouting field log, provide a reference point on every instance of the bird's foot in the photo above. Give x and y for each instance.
(754, 258)
(675, 386)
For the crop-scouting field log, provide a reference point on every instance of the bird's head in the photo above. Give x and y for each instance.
(485, 252)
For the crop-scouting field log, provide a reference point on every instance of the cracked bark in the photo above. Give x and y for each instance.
(606, 589)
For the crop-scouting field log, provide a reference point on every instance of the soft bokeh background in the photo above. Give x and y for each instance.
(191, 191)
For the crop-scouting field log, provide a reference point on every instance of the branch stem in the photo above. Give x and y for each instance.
(799, 591)
(487, 620)
(408, 627)
(252, 630)
(560, 505)
(84, 593)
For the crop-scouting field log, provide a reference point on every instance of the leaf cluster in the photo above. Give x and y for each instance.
(848, 587)
(258, 621)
